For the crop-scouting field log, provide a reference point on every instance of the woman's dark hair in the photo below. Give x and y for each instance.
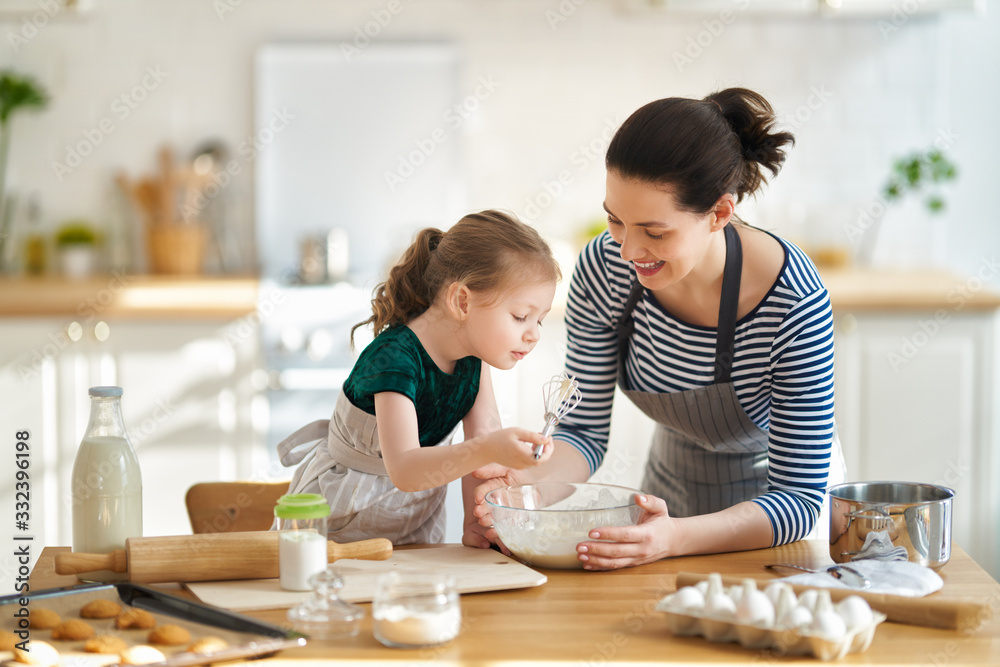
(489, 252)
(701, 149)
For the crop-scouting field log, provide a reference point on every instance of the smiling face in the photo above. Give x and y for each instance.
(501, 331)
(663, 243)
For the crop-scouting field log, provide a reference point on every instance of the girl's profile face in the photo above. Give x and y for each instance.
(502, 331)
(662, 242)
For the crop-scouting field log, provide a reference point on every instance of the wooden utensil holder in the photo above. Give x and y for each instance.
(176, 248)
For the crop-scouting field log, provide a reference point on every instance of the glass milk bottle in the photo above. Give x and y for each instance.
(107, 484)
(302, 539)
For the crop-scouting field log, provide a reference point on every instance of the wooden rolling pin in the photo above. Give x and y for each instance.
(206, 557)
(948, 614)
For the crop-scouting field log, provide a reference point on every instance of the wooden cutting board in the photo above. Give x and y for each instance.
(475, 571)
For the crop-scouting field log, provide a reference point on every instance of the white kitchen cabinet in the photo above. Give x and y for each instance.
(916, 396)
(188, 406)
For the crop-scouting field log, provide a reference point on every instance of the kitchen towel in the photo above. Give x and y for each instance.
(894, 577)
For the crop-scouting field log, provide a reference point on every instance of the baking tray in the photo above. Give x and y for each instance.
(246, 637)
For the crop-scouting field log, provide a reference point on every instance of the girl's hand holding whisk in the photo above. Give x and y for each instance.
(514, 447)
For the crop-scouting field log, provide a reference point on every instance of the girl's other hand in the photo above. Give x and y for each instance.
(496, 476)
(630, 545)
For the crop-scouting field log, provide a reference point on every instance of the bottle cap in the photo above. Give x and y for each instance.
(301, 506)
(105, 392)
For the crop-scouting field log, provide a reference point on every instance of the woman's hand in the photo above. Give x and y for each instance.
(631, 545)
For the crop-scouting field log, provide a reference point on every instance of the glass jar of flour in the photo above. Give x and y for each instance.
(301, 538)
(106, 483)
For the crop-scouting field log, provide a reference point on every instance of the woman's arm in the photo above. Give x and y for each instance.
(739, 528)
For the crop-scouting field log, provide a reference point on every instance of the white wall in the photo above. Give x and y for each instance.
(857, 93)
(551, 89)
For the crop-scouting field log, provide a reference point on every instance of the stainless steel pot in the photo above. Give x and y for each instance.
(891, 521)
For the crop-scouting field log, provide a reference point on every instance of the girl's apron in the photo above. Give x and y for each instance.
(706, 454)
(346, 467)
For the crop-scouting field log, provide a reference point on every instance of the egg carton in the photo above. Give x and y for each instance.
(788, 641)
(775, 619)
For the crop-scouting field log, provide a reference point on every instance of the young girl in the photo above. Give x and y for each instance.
(457, 303)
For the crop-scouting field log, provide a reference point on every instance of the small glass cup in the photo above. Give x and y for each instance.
(302, 539)
(325, 615)
(414, 609)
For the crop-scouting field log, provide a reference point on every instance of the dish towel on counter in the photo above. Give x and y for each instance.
(894, 577)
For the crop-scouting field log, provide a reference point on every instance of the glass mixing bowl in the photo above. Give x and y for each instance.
(542, 523)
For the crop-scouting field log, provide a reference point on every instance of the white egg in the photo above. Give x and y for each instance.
(774, 589)
(753, 607)
(856, 612)
(720, 606)
(702, 586)
(796, 617)
(735, 592)
(827, 622)
(807, 598)
(785, 603)
(687, 600)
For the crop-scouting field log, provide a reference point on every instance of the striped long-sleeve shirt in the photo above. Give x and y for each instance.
(782, 371)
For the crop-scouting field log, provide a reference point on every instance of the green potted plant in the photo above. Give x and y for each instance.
(16, 92)
(919, 173)
(76, 242)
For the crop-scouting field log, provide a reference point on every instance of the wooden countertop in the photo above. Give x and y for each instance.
(125, 296)
(897, 291)
(604, 618)
(128, 296)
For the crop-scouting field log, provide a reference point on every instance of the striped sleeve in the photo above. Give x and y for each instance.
(591, 351)
(801, 423)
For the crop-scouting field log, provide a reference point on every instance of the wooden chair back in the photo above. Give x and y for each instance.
(226, 507)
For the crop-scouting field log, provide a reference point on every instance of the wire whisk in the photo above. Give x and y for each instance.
(561, 394)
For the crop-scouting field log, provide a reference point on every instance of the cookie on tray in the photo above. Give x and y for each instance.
(208, 645)
(8, 640)
(100, 609)
(107, 644)
(139, 619)
(39, 654)
(44, 619)
(73, 630)
(141, 655)
(169, 635)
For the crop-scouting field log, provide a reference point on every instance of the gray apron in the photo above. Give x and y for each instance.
(347, 469)
(706, 454)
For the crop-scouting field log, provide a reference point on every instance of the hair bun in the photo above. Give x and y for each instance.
(752, 119)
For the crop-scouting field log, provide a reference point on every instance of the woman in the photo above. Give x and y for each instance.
(719, 332)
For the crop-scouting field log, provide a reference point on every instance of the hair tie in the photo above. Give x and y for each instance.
(716, 103)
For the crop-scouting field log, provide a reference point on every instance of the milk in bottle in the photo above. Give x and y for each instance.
(107, 484)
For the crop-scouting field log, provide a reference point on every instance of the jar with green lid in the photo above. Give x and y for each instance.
(302, 538)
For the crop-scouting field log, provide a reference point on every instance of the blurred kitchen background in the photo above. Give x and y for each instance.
(202, 198)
